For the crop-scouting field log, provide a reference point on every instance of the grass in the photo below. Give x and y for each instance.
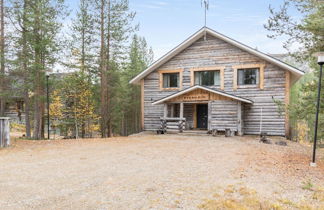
(308, 185)
(242, 198)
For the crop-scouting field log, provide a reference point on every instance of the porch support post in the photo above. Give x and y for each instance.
(239, 119)
(165, 114)
(181, 116)
(172, 110)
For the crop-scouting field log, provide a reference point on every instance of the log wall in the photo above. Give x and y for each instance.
(215, 52)
(223, 114)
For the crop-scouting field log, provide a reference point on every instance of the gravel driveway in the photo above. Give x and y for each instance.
(151, 172)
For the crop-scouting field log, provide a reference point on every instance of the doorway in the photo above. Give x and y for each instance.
(202, 116)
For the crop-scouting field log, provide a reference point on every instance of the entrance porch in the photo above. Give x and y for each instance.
(202, 109)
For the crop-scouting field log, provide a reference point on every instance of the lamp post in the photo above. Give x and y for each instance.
(320, 62)
(47, 100)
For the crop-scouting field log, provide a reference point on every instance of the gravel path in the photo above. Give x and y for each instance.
(149, 172)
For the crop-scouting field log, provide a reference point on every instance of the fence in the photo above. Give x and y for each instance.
(4, 132)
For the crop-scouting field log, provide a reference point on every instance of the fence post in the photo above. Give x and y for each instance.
(4, 132)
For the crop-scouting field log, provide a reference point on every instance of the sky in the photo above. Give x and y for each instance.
(166, 23)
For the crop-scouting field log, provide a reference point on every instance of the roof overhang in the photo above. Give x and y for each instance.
(295, 72)
(222, 93)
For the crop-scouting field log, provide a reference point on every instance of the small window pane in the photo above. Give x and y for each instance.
(207, 78)
(248, 76)
(171, 80)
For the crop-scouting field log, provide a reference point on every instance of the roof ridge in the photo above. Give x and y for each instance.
(197, 35)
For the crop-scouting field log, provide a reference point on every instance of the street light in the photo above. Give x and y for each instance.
(320, 61)
(47, 100)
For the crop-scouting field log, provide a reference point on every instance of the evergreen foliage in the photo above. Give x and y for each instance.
(309, 32)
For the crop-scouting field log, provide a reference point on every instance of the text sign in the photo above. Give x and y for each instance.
(200, 97)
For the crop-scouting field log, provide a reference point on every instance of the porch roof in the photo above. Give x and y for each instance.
(187, 90)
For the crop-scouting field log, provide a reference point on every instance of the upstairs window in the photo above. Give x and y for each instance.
(248, 76)
(171, 80)
(207, 78)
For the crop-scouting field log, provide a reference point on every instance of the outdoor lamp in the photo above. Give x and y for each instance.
(320, 61)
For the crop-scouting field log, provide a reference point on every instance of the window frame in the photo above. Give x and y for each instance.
(171, 71)
(257, 77)
(260, 84)
(211, 68)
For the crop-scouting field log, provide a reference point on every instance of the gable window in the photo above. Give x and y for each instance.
(248, 76)
(207, 78)
(170, 80)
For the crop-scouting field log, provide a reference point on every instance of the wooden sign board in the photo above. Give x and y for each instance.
(198, 97)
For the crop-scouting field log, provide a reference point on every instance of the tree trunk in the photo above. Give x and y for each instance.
(27, 113)
(39, 81)
(103, 75)
(2, 60)
(109, 114)
(26, 74)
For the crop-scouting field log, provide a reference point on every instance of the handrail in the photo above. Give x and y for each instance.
(173, 118)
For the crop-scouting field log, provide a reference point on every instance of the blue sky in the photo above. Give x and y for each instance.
(166, 23)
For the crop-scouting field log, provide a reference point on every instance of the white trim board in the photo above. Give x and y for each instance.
(203, 88)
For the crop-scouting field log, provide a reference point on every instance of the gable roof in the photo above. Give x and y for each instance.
(205, 30)
(187, 90)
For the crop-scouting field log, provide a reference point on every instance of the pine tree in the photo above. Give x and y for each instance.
(309, 32)
(37, 22)
(115, 27)
(3, 82)
(140, 56)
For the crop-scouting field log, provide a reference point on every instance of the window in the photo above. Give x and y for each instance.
(170, 80)
(248, 76)
(207, 78)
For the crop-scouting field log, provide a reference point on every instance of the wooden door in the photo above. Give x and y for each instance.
(202, 116)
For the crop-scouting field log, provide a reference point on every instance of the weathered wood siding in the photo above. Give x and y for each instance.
(223, 114)
(188, 114)
(215, 52)
(4, 132)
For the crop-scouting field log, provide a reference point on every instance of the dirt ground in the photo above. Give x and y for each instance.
(160, 172)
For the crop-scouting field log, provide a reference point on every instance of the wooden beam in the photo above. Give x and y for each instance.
(142, 104)
(222, 79)
(239, 119)
(235, 79)
(165, 111)
(261, 76)
(181, 110)
(287, 101)
(194, 115)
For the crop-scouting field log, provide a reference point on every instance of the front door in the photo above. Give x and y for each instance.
(202, 116)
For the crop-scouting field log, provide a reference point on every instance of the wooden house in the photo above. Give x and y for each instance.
(213, 82)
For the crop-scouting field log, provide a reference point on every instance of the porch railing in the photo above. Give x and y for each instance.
(173, 124)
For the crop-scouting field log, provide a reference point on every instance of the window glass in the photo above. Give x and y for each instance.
(248, 76)
(170, 80)
(207, 78)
